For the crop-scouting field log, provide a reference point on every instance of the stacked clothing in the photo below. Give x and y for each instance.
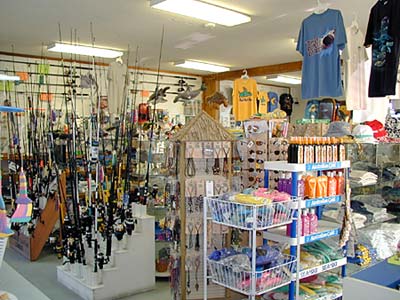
(362, 178)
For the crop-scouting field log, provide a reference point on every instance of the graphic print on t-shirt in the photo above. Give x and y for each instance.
(382, 44)
(321, 45)
(245, 95)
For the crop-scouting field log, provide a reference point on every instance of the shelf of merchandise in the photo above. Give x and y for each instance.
(166, 274)
(326, 229)
(323, 268)
(325, 297)
(252, 218)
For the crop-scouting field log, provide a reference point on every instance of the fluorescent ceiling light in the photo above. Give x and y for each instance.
(201, 10)
(285, 79)
(84, 50)
(9, 77)
(191, 64)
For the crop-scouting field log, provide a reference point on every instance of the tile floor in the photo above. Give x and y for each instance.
(38, 280)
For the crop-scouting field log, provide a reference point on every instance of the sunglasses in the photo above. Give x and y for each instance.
(259, 170)
(277, 152)
(253, 128)
(259, 161)
(280, 143)
(256, 179)
(257, 152)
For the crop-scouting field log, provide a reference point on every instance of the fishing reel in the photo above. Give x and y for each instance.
(119, 231)
(58, 248)
(101, 260)
(129, 222)
(31, 228)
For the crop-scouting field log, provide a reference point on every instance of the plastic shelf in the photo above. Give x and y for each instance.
(239, 280)
(326, 230)
(249, 216)
(323, 268)
(288, 167)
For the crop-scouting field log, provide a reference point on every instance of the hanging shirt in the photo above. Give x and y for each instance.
(262, 102)
(117, 85)
(320, 39)
(244, 98)
(355, 57)
(383, 33)
(273, 102)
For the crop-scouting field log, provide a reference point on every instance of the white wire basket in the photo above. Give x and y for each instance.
(3, 245)
(241, 281)
(250, 216)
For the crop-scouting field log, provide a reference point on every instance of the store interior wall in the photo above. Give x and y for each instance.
(146, 85)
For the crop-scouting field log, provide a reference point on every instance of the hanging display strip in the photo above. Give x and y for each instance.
(237, 279)
(250, 216)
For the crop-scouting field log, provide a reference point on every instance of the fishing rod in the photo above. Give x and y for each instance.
(146, 184)
(169, 76)
(73, 246)
(35, 63)
(129, 222)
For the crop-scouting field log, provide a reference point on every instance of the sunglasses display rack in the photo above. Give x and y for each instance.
(200, 160)
(277, 151)
(325, 230)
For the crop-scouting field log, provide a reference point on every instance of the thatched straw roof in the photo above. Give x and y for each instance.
(203, 128)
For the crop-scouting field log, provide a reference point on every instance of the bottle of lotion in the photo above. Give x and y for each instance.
(332, 185)
(305, 223)
(313, 219)
(340, 183)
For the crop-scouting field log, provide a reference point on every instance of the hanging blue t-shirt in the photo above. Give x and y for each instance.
(273, 101)
(320, 39)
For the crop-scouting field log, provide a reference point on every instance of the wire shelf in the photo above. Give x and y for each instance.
(241, 280)
(3, 245)
(250, 216)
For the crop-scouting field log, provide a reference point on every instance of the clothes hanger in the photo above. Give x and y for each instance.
(119, 60)
(321, 8)
(354, 24)
(245, 75)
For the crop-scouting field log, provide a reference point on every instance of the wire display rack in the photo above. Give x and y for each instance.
(241, 280)
(249, 279)
(250, 216)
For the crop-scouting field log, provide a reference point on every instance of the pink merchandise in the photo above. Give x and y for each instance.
(313, 222)
(305, 221)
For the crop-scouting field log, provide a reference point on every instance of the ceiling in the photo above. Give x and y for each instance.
(267, 40)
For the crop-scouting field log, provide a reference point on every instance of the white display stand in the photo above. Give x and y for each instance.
(131, 270)
(3, 245)
(355, 289)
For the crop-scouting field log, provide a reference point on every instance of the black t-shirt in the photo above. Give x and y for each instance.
(383, 33)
